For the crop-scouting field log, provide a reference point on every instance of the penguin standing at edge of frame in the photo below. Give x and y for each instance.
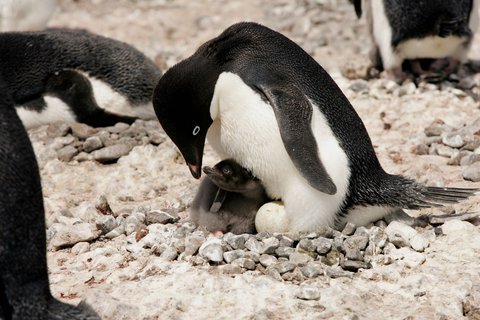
(24, 286)
(227, 199)
(109, 80)
(439, 30)
(267, 104)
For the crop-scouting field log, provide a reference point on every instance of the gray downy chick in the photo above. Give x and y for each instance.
(228, 199)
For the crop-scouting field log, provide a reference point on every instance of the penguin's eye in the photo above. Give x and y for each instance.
(227, 171)
(196, 130)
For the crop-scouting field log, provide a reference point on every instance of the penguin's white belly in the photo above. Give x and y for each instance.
(109, 99)
(431, 47)
(245, 129)
(55, 111)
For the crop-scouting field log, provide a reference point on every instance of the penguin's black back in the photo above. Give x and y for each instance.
(27, 59)
(418, 19)
(260, 55)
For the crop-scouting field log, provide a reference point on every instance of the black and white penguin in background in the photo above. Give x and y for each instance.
(74, 75)
(24, 286)
(228, 199)
(267, 104)
(432, 36)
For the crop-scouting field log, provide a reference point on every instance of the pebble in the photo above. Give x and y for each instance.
(68, 235)
(106, 223)
(193, 242)
(299, 258)
(245, 263)
(453, 140)
(354, 265)
(353, 247)
(323, 245)
(469, 159)
(212, 250)
(453, 226)
(92, 143)
(254, 245)
(418, 242)
(81, 130)
(267, 260)
(472, 172)
(230, 269)
(359, 85)
(269, 245)
(307, 245)
(67, 153)
(229, 256)
(111, 153)
(162, 217)
(308, 293)
(284, 251)
(400, 234)
(312, 270)
(80, 247)
(283, 266)
(235, 241)
(337, 273)
(349, 229)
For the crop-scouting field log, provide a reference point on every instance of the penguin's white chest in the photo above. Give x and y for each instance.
(245, 129)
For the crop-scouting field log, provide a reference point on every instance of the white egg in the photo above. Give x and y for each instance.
(272, 217)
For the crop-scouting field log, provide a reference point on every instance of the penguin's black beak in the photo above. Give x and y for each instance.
(195, 170)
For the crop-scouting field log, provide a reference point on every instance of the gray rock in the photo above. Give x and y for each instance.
(106, 223)
(111, 153)
(284, 251)
(229, 256)
(362, 231)
(60, 142)
(306, 292)
(193, 243)
(83, 156)
(134, 222)
(169, 254)
(353, 246)
(332, 257)
(67, 153)
(252, 255)
(273, 273)
(68, 235)
(472, 143)
(267, 260)
(338, 273)
(118, 127)
(80, 247)
(326, 232)
(284, 241)
(299, 258)
(469, 159)
(312, 270)
(212, 250)
(444, 151)
(231, 269)
(351, 265)
(236, 241)
(400, 234)
(453, 140)
(437, 128)
(92, 143)
(283, 266)
(359, 85)
(269, 245)
(118, 231)
(418, 242)
(245, 263)
(472, 172)
(349, 229)
(82, 131)
(323, 245)
(307, 245)
(162, 217)
(58, 129)
(453, 226)
(337, 243)
(254, 245)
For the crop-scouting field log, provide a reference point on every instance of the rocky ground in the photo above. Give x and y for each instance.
(117, 198)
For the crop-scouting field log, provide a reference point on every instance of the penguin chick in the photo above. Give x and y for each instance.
(228, 199)
(413, 30)
(268, 105)
(120, 79)
(24, 286)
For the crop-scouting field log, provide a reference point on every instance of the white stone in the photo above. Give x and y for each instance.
(454, 226)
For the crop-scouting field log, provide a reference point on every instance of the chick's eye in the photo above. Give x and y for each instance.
(196, 130)
(227, 171)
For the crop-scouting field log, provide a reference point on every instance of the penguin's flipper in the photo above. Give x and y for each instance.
(294, 116)
(218, 201)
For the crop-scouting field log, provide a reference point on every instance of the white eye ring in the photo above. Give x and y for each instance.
(196, 130)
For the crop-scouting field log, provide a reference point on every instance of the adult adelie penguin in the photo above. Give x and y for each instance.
(269, 106)
(440, 30)
(24, 287)
(101, 76)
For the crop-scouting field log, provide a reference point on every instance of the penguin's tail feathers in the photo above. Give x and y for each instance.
(408, 194)
(438, 196)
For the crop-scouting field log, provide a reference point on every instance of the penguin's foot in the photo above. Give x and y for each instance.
(401, 216)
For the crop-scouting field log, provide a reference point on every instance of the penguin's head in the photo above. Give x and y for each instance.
(182, 101)
(231, 176)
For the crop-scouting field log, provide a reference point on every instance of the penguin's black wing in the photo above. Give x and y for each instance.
(294, 116)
